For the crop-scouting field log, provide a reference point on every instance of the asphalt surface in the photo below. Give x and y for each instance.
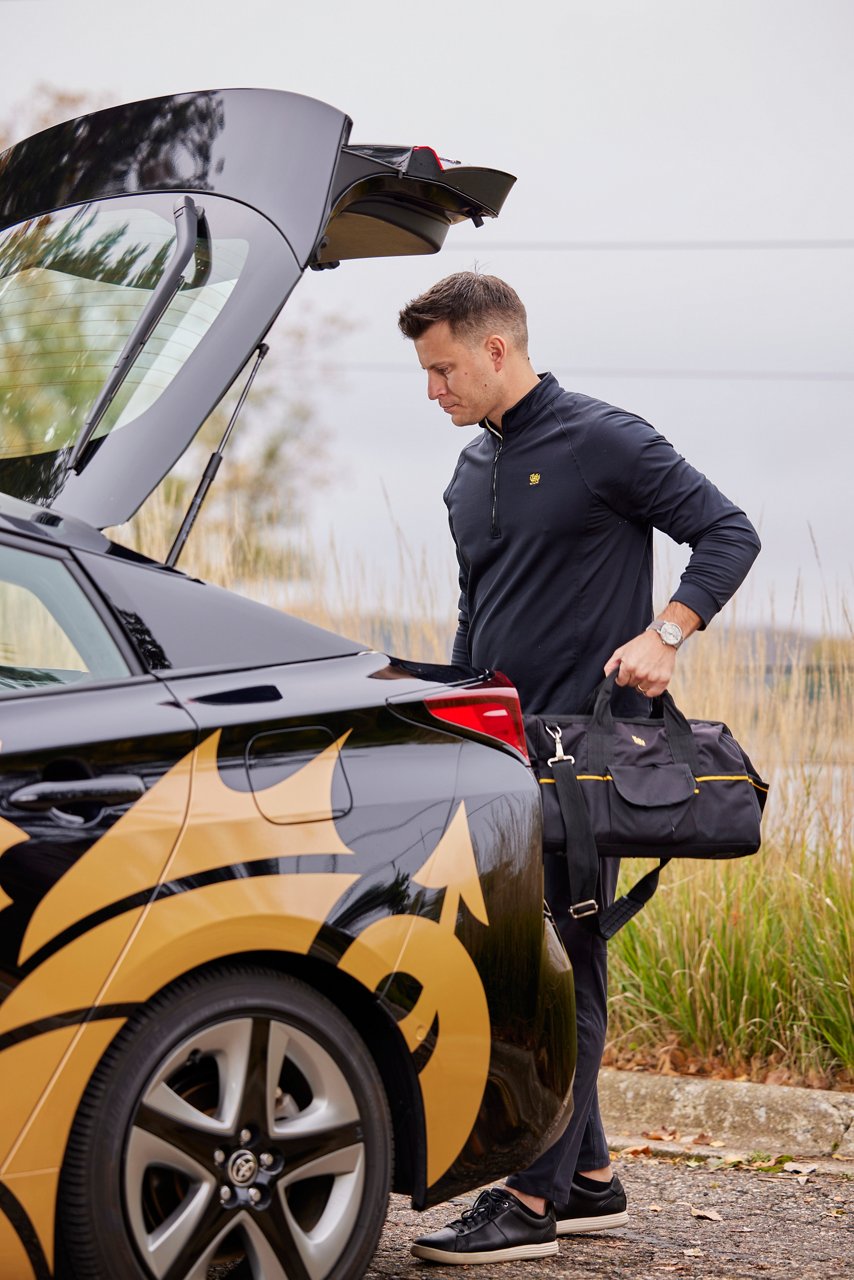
(691, 1217)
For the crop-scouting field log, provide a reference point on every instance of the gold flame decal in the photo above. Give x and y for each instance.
(453, 1080)
(10, 835)
(191, 822)
(227, 826)
(222, 826)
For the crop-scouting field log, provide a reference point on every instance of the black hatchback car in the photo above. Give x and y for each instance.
(272, 938)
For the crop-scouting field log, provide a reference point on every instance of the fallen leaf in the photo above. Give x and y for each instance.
(836, 1156)
(791, 1166)
(701, 1140)
(769, 1165)
(716, 1142)
(637, 1151)
(803, 1179)
(692, 1253)
(654, 1208)
(711, 1215)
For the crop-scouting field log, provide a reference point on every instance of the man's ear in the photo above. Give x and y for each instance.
(496, 349)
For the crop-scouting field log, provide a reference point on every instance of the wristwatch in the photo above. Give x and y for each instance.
(670, 633)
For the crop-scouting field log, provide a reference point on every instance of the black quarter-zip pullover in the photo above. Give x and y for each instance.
(552, 518)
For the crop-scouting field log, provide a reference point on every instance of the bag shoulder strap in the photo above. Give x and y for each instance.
(582, 860)
(582, 856)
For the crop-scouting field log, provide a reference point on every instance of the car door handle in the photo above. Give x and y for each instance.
(109, 790)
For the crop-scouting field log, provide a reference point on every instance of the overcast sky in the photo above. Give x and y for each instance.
(682, 230)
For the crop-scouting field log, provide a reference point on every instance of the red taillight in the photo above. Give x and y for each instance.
(496, 713)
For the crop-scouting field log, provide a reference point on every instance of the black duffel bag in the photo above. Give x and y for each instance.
(657, 785)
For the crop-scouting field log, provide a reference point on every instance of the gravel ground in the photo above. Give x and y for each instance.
(772, 1225)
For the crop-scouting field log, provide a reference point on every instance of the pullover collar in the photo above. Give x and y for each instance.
(529, 408)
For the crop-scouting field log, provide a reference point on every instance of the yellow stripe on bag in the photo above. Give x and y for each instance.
(581, 777)
(732, 777)
(710, 777)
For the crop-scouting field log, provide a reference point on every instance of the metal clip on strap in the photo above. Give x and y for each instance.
(556, 732)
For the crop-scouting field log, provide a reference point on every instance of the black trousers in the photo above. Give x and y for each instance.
(583, 1145)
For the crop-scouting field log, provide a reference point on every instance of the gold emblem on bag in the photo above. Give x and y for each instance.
(639, 742)
(534, 477)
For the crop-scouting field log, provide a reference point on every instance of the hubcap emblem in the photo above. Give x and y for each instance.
(242, 1168)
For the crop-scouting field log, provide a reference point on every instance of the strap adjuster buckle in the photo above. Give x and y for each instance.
(579, 910)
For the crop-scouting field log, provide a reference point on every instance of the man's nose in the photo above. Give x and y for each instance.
(435, 386)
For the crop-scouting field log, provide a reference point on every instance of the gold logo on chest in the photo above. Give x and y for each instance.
(534, 477)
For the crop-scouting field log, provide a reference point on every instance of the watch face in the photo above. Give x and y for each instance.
(671, 633)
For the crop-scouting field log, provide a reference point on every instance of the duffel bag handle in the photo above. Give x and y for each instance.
(680, 739)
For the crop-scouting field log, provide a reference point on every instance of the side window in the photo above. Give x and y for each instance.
(50, 635)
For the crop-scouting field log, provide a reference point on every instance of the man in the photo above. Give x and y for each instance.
(552, 508)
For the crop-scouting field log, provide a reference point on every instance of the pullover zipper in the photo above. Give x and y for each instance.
(495, 531)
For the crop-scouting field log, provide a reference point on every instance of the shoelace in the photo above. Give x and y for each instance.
(484, 1208)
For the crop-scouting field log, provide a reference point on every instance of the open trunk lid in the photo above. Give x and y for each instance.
(145, 251)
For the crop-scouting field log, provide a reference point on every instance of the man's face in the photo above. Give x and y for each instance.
(461, 375)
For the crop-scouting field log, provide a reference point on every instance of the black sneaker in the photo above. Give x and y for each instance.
(497, 1228)
(592, 1206)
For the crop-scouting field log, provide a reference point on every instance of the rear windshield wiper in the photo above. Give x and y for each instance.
(187, 216)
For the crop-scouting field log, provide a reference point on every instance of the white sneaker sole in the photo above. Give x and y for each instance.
(513, 1253)
(600, 1222)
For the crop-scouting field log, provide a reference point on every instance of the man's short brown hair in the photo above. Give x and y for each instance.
(473, 305)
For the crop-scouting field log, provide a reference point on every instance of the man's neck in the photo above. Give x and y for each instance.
(516, 391)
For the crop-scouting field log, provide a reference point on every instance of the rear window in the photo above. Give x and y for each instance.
(73, 283)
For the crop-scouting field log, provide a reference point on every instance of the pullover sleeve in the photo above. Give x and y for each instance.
(636, 472)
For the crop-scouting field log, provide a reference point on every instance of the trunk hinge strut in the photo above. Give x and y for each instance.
(213, 466)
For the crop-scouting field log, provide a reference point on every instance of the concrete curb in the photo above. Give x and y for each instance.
(625, 1146)
(746, 1117)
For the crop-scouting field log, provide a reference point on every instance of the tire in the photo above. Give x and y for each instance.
(237, 1126)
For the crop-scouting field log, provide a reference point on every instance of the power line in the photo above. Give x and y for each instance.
(717, 375)
(710, 375)
(648, 246)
